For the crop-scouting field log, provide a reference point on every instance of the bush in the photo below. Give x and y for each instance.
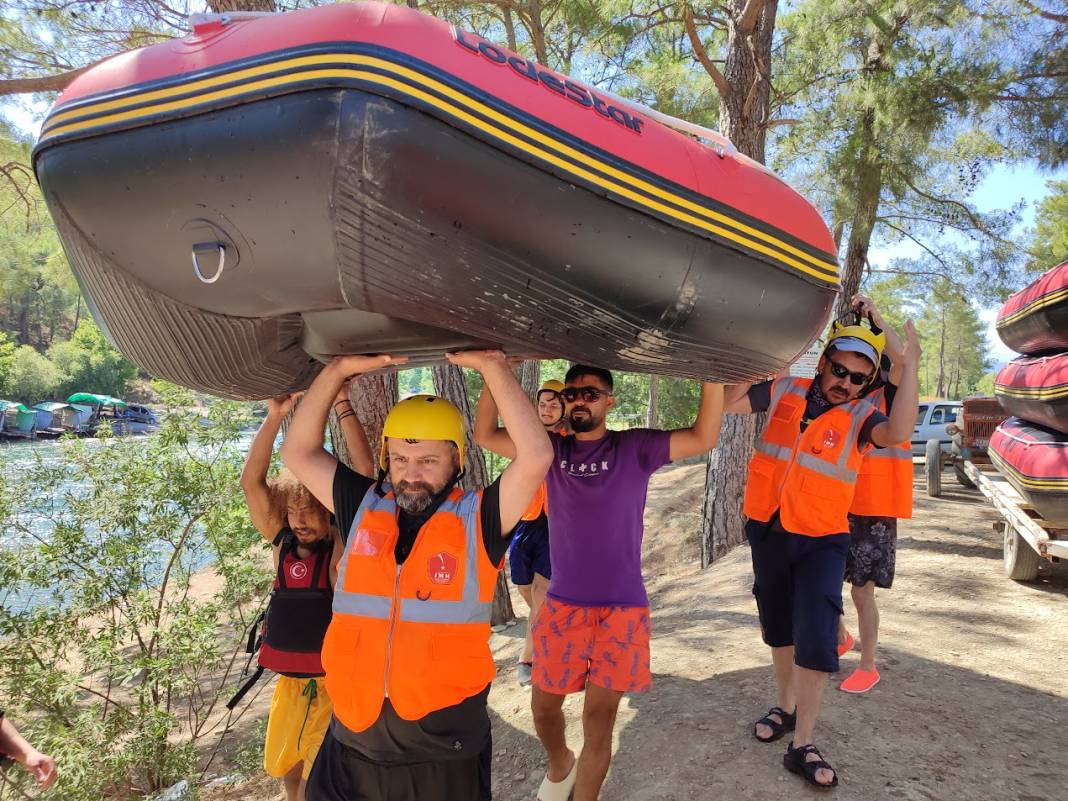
(89, 363)
(32, 377)
(111, 662)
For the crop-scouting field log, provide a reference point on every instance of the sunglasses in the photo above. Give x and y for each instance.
(841, 371)
(588, 394)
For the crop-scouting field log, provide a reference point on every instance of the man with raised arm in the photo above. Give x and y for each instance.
(802, 479)
(592, 633)
(407, 657)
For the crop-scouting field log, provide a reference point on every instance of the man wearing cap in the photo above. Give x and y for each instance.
(407, 657)
(528, 558)
(801, 484)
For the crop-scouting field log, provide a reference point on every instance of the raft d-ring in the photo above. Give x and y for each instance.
(208, 247)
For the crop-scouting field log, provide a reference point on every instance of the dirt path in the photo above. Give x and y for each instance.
(973, 703)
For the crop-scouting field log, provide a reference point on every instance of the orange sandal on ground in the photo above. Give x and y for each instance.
(860, 681)
(847, 646)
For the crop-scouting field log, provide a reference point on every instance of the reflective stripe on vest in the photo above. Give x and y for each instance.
(467, 610)
(790, 463)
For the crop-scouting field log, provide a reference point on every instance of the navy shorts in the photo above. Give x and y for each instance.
(798, 589)
(529, 552)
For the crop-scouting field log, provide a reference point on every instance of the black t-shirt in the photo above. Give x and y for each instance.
(760, 400)
(455, 732)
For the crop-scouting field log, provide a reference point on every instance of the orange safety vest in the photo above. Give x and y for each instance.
(417, 633)
(809, 475)
(538, 505)
(884, 484)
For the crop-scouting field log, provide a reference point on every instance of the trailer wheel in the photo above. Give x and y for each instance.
(962, 477)
(1021, 560)
(933, 468)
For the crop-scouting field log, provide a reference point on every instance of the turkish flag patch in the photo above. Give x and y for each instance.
(441, 567)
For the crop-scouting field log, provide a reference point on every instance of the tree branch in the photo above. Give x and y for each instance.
(747, 22)
(46, 83)
(1061, 18)
(905, 233)
(722, 86)
(775, 123)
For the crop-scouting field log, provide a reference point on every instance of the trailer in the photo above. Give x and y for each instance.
(1027, 537)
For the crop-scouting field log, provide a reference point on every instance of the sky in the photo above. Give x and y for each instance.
(1003, 187)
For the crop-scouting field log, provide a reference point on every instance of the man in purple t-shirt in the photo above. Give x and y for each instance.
(592, 632)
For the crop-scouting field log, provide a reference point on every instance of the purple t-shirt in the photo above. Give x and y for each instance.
(597, 494)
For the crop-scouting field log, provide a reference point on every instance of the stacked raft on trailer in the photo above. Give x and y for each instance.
(1035, 388)
(1034, 459)
(246, 202)
(1030, 450)
(1035, 319)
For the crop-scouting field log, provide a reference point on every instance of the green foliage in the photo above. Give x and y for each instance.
(899, 101)
(951, 334)
(89, 363)
(105, 647)
(32, 377)
(1049, 239)
(7, 362)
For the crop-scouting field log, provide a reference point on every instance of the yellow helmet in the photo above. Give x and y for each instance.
(858, 339)
(552, 385)
(424, 417)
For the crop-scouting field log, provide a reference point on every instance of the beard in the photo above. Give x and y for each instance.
(584, 423)
(415, 497)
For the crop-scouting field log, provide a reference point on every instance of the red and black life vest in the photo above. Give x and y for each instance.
(297, 616)
(298, 613)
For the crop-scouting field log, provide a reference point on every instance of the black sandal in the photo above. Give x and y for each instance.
(795, 761)
(778, 729)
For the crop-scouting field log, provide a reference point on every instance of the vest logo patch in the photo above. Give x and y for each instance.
(368, 542)
(441, 567)
(831, 438)
(298, 570)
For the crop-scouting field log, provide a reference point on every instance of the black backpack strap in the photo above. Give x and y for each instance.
(241, 693)
(254, 638)
(287, 546)
(322, 561)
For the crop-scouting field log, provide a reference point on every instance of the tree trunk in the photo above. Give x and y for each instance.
(449, 384)
(941, 393)
(868, 190)
(654, 401)
(529, 376)
(743, 111)
(743, 114)
(372, 397)
(537, 33)
(509, 30)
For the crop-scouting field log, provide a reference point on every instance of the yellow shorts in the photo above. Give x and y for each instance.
(300, 714)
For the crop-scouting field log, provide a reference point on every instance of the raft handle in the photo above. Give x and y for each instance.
(205, 248)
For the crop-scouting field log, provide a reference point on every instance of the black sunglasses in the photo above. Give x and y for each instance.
(841, 371)
(588, 394)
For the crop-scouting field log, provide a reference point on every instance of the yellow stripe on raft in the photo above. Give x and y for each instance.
(1033, 483)
(1034, 305)
(810, 265)
(1041, 393)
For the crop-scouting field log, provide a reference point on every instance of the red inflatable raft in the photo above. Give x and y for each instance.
(1036, 389)
(1035, 319)
(1035, 461)
(243, 203)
